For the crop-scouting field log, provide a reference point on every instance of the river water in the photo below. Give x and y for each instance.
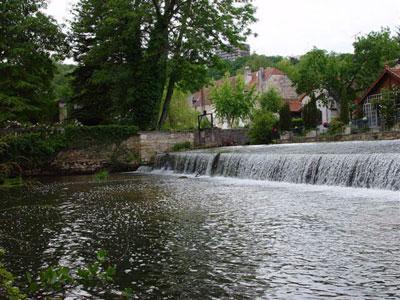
(211, 238)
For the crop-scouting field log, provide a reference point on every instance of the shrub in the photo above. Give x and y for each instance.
(336, 127)
(263, 128)
(78, 137)
(35, 149)
(271, 101)
(312, 115)
(182, 146)
(298, 123)
(285, 118)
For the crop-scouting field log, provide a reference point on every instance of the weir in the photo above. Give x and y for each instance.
(352, 164)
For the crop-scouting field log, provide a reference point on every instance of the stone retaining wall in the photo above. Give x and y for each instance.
(368, 136)
(152, 143)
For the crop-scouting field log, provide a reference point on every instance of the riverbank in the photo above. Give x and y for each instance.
(68, 151)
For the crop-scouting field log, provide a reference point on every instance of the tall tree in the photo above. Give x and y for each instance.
(107, 44)
(198, 29)
(232, 100)
(30, 41)
(342, 77)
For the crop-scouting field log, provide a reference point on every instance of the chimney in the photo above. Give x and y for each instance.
(247, 75)
(261, 79)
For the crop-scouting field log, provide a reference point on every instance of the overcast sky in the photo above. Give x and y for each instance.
(293, 27)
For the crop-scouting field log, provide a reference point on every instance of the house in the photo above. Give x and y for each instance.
(389, 79)
(329, 109)
(263, 80)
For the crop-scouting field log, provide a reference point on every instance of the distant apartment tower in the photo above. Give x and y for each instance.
(235, 53)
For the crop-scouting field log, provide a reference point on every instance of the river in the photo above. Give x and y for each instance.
(189, 237)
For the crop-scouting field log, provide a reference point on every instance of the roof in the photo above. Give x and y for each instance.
(393, 72)
(295, 105)
(271, 78)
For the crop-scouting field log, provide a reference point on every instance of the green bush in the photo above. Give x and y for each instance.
(298, 123)
(182, 146)
(312, 115)
(78, 137)
(262, 128)
(285, 118)
(35, 149)
(336, 127)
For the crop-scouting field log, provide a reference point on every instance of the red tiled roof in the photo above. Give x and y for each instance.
(295, 105)
(268, 72)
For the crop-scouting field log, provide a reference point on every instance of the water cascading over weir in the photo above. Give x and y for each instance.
(352, 164)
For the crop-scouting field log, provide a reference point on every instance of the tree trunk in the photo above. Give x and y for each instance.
(167, 100)
(175, 73)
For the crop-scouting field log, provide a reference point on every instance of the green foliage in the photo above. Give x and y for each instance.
(205, 123)
(312, 115)
(29, 43)
(271, 101)
(7, 288)
(254, 62)
(182, 146)
(387, 107)
(343, 77)
(371, 53)
(181, 116)
(9, 183)
(263, 128)
(84, 136)
(54, 280)
(297, 123)
(336, 127)
(285, 118)
(62, 82)
(133, 54)
(232, 100)
(36, 149)
(101, 175)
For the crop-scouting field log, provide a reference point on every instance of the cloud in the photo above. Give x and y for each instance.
(293, 27)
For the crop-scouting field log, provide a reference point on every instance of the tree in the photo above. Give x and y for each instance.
(387, 107)
(197, 30)
(232, 100)
(181, 116)
(271, 101)
(30, 42)
(285, 118)
(107, 42)
(263, 127)
(311, 115)
(132, 54)
(343, 77)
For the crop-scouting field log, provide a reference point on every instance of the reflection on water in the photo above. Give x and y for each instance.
(199, 238)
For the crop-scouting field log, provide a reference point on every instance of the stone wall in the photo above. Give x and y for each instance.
(113, 157)
(141, 148)
(152, 143)
(215, 137)
(368, 136)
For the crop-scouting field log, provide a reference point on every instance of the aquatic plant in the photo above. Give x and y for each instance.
(101, 175)
(54, 281)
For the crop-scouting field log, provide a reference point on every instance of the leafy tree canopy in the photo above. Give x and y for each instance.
(233, 100)
(30, 42)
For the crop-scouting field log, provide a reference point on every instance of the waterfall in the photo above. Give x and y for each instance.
(353, 164)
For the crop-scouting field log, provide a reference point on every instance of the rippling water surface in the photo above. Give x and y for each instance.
(203, 238)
